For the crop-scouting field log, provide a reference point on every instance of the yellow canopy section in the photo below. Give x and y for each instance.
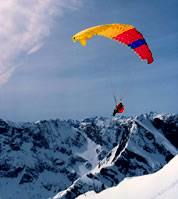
(108, 30)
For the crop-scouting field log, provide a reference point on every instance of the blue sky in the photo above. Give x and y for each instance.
(44, 75)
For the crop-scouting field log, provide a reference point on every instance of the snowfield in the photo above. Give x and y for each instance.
(160, 185)
(63, 159)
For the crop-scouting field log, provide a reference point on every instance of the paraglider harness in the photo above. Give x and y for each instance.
(119, 109)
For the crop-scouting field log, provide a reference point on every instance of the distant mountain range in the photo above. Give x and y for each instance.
(65, 158)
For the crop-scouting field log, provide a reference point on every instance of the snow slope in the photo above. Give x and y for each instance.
(142, 149)
(66, 158)
(160, 185)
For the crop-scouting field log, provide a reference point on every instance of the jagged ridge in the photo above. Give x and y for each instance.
(46, 157)
(142, 149)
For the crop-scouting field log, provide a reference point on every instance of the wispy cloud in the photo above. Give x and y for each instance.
(24, 25)
(5, 76)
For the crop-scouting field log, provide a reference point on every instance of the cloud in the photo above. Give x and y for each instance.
(24, 25)
(35, 48)
(5, 76)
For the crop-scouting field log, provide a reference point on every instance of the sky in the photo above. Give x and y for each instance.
(45, 75)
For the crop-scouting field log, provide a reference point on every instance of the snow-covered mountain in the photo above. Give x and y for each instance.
(161, 185)
(66, 158)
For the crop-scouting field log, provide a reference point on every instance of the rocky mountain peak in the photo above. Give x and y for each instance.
(72, 157)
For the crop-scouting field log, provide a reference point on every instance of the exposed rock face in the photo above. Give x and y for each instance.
(143, 147)
(41, 159)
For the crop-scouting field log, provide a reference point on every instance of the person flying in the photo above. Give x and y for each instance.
(119, 109)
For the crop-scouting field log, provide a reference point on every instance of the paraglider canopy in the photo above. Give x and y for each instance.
(126, 34)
